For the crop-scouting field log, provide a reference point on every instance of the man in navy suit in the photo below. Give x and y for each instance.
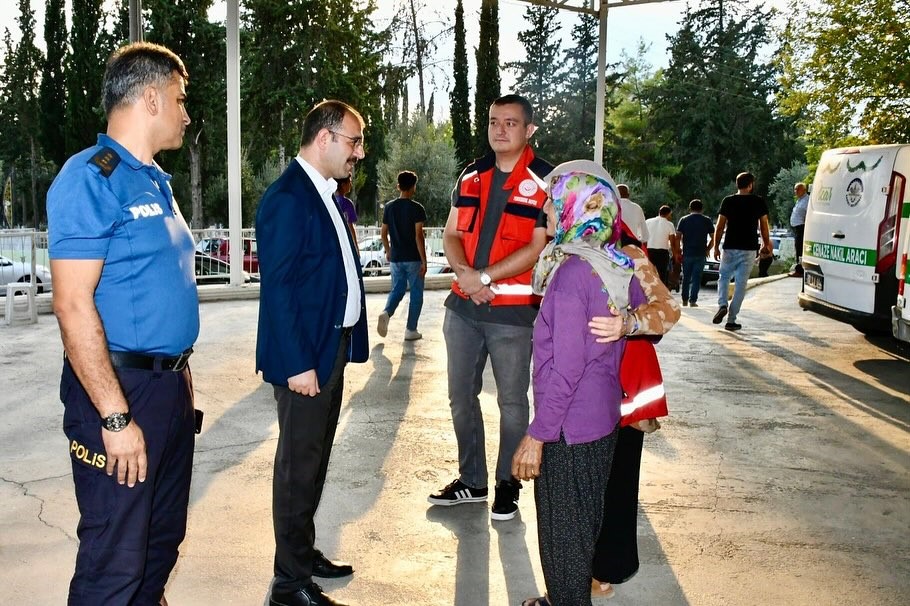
(312, 321)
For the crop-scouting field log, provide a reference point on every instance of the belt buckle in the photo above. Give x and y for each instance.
(182, 360)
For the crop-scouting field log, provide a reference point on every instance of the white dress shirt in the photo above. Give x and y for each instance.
(660, 230)
(326, 187)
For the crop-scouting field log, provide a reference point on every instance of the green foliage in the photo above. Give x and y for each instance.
(459, 104)
(536, 74)
(780, 192)
(487, 87)
(713, 105)
(427, 150)
(52, 95)
(650, 192)
(845, 72)
(91, 47)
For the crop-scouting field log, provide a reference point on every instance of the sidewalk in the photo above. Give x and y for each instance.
(754, 492)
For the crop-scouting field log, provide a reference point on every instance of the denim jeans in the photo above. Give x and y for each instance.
(692, 267)
(468, 344)
(404, 275)
(734, 264)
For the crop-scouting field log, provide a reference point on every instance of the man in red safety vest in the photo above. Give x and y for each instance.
(493, 236)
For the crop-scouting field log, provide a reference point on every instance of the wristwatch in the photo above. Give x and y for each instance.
(485, 278)
(116, 421)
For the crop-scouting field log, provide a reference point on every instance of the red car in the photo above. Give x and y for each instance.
(220, 249)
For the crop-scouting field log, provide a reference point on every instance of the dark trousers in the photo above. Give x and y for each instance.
(661, 259)
(128, 537)
(570, 498)
(306, 430)
(616, 553)
(798, 233)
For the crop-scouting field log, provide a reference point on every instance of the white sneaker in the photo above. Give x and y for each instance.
(383, 326)
(411, 335)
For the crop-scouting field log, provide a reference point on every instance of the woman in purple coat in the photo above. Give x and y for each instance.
(569, 445)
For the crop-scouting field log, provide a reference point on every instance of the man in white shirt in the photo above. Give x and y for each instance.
(661, 241)
(632, 214)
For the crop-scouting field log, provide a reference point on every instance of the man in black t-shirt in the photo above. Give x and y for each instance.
(402, 222)
(740, 214)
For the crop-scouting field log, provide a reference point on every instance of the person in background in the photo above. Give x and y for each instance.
(492, 237)
(740, 215)
(695, 232)
(125, 297)
(347, 205)
(569, 445)
(798, 224)
(402, 222)
(662, 242)
(632, 215)
(312, 322)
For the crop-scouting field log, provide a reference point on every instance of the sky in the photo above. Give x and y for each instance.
(626, 25)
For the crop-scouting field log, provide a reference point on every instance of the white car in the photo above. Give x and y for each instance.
(17, 271)
(372, 258)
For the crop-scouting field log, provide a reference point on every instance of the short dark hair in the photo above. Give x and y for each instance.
(696, 206)
(132, 68)
(407, 180)
(664, 210)
(744, 180)
(513, 99)
(327, 114)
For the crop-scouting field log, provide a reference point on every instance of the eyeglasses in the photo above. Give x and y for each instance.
(355, 141)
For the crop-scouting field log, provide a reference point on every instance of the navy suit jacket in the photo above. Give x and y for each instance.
(303, 286)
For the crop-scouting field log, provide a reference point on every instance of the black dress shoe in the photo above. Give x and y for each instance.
(309, 595)
(326, 569)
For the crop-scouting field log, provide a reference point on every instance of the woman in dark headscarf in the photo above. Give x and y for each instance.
(569, 445)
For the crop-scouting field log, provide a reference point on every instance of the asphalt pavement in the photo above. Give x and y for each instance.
(782, 475)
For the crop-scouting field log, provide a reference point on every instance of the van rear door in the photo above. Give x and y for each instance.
(846, 209)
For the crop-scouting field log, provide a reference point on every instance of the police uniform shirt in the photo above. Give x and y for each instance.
(106, 204)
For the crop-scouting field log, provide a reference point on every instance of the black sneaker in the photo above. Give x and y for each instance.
(732, 326)
(505, 505)
(457, 493)
(720, 315)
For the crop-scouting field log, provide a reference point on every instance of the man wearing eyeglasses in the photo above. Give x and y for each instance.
(492, 238)
(312, 321)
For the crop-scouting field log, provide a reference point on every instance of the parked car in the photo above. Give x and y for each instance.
(18, 271)
(210, 270)
(372, 258)
(220, 248)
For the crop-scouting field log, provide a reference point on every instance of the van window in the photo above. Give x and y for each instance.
(888, 228)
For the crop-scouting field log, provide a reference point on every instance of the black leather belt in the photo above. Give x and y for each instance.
(128, 359)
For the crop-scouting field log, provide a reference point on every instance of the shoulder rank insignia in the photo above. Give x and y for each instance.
(106, 159)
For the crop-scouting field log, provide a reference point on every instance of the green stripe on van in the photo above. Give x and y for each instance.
(841, 254)
(905, 212)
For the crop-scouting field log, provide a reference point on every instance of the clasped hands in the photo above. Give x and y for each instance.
(469, 283)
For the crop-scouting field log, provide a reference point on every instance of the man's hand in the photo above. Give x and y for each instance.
(608, 328)
(484, 295)
(423, 269)
(469, 281)
(125, 450)
(306, 383)
(527, 459)
(716, 254)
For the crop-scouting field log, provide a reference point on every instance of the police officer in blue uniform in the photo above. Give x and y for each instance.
(125, 296)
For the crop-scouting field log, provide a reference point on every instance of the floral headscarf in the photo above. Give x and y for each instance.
(587, 213)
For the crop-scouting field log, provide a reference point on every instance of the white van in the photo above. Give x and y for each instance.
(900, 313)
(853, 228)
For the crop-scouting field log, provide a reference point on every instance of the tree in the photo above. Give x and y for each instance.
(52, 91)
(487, 89)
(91, 47)
(714, 105)
(183, 27)
(459, 103)
(858, 55)
(426, 149)
(536, 74)
(780, 193)
(634, 145)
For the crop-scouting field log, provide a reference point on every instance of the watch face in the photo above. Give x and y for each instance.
(116, 421)
(485, 278)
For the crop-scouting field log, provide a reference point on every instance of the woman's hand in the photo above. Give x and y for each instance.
(527, 458)
(609, 329)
